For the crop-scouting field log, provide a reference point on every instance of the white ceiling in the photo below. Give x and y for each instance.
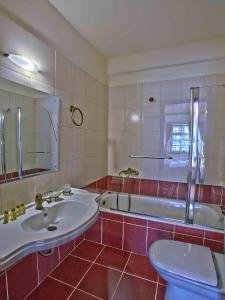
(121, 27)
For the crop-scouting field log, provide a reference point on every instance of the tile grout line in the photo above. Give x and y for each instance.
(121, 277)
(86, 272)
(40, 282)
(7, 285)
(89, 294)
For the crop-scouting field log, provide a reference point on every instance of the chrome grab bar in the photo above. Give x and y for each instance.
(150, 157)
(193, 155)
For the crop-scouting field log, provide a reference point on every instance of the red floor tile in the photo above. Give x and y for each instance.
(51, 289)
(161, 292)
(21, 283)
(3, 292)
(140, 266)
(47, 263)
(133, 288)
(94, 233)
(135, 238)
(88, 250)
(80, 295)
(112, 233)
(65, 249)
(100, 281)
(113, 258)
(71, 270)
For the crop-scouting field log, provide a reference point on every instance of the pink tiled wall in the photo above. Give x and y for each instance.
(22, 278)
(137, 235)
(204, 193)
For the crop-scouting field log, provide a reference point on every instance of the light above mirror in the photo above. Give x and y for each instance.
(23, 62)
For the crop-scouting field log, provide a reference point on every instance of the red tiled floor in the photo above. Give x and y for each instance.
(47, 263)
(51, 289)
(161, 292)
(133, 288)
(71, 270)
(114, 258)
(100, 281)
(80, 295)
(21, 283)
(88, 250)
(140, 266)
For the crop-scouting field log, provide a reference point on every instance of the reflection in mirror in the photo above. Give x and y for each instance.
(28, 131)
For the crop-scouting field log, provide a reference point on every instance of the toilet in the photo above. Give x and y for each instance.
(192, 272)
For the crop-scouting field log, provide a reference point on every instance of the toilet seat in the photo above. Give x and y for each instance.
(189, 261)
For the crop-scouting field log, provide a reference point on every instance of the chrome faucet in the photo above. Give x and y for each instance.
(39, 200)
(129, 172)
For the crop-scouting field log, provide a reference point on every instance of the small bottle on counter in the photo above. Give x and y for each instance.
(22, 209)
(13, 214)
(6, 217)
(18, 210)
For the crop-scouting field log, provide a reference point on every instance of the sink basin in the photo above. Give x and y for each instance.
(62, 215)
(59, 223)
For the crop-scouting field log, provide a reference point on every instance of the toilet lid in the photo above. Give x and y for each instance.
(183, 259)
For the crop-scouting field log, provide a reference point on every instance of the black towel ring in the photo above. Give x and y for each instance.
(73, 109)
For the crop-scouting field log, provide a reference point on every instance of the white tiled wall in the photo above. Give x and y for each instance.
(83, 150)
(139, 127)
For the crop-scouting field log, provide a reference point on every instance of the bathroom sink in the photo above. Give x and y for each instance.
(59, 217)
(55, 225)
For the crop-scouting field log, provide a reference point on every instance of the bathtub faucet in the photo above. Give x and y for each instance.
(129, 172)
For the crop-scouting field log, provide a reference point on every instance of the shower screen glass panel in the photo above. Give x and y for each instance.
(29, 131)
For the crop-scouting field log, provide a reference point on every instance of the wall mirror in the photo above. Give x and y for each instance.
(29, 132)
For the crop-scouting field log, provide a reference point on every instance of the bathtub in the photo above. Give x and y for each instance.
(209, 215)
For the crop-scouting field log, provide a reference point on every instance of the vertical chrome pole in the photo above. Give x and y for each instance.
(193, 155)
(20, 144)
(2, 144)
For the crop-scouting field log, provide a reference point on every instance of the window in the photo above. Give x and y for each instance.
(180, 139)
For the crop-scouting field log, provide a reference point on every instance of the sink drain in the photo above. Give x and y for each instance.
(52, 228)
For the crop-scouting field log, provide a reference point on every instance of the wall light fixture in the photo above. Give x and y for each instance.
(22, 62)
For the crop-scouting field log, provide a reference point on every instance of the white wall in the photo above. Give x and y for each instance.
(188, 60)
(40, 17)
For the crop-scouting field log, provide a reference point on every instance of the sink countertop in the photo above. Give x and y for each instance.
(16, 242)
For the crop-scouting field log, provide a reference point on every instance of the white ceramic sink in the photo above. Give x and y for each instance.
(62, 216)
(30, 233)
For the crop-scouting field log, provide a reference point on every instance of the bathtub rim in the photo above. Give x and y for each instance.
(151, 218)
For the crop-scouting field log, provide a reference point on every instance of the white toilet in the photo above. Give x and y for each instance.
(192, 272)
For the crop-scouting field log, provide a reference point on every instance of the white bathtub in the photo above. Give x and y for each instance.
(209, 215)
